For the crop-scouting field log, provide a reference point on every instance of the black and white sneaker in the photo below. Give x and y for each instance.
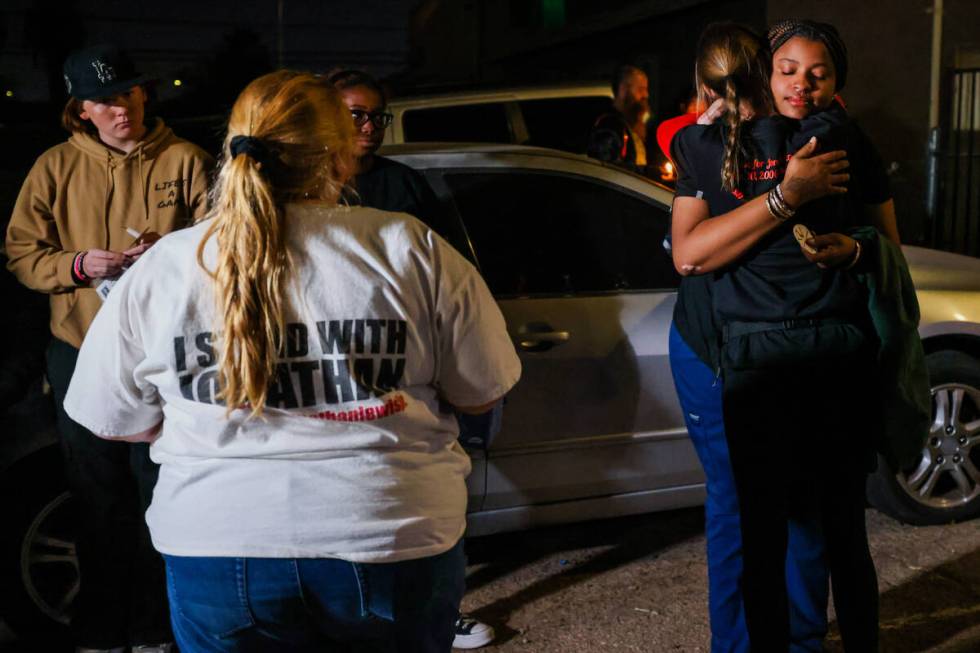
(471, 633)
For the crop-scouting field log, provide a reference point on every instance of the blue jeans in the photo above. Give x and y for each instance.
(699, 389)
(315, 604)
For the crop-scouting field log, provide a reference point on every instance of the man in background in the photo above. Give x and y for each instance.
(619, 136)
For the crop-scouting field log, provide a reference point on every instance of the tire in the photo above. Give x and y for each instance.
(38, 567)
(944, 484)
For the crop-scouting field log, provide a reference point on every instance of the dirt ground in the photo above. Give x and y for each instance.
(640, 584)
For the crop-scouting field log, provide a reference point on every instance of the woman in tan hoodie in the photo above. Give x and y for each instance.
(87, 210)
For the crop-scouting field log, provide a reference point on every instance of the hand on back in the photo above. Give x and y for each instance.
(810, 176)
(713, 112)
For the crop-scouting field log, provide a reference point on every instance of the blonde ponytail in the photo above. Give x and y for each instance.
(731, 161)
(734, 64)
(301, 139)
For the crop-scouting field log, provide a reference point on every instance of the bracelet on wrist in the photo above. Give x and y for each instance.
(782, 198)
(778, 208)
(78, 269)
(857, 255)
(773, 211)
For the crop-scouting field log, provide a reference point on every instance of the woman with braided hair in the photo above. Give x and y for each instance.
(287, 358)
(809, 71)
(768, 342)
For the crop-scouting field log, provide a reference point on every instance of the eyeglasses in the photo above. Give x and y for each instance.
(379, 119)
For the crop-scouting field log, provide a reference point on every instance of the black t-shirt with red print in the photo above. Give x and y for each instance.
(773, 281)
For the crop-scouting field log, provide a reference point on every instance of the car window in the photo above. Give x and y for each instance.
(546, 233)
(563, 123)
(472, 123)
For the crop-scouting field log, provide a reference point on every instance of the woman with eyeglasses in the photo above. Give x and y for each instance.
(288, 358)
(380, 182)
(391, 186)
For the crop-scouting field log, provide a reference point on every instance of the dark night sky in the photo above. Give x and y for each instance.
(180, 37)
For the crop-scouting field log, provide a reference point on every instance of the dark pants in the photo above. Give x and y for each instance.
(700, 392)
(238, 605)
(799, 437)
(122, 599)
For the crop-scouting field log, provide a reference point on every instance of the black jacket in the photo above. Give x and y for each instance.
(612, 141)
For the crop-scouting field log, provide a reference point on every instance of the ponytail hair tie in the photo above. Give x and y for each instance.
(252, 147)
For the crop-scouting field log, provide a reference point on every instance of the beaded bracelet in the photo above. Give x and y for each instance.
(778, 208)
(781, 197)
(787, 210)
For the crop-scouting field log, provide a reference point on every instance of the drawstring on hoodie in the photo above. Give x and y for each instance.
(109, 179)
(146, 191)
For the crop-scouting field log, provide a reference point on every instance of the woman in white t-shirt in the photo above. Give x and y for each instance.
(287, 358)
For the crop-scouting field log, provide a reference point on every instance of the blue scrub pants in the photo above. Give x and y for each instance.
(699, 389)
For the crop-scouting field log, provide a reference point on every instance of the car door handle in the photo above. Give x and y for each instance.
(542, 340)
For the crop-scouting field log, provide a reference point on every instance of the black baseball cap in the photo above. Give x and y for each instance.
(100, 71)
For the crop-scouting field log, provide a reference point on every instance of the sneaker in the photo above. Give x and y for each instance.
(471, 633)
(166, 647)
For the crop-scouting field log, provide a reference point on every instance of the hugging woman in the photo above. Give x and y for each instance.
(772, 341)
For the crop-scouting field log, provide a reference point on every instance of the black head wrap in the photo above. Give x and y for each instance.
(253, 147)
(810, 29)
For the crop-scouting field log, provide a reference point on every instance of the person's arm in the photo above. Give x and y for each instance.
(832, 250)
(476, 361)
(478, 410)
(109, 394)
(34, 249)
(713, 112)
(149, 436)
(836, 250)
(701, 245)
(871, 184)
(839, 250)
(882, 217)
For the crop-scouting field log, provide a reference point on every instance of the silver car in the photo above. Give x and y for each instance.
(572, 250)
(554, 115)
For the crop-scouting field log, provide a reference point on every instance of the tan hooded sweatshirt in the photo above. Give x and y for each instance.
(82, 195)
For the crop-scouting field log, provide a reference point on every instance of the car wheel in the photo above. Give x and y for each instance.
(39, 573)
(944, 483)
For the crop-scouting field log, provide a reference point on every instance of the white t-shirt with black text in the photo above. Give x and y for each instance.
(353, 458)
